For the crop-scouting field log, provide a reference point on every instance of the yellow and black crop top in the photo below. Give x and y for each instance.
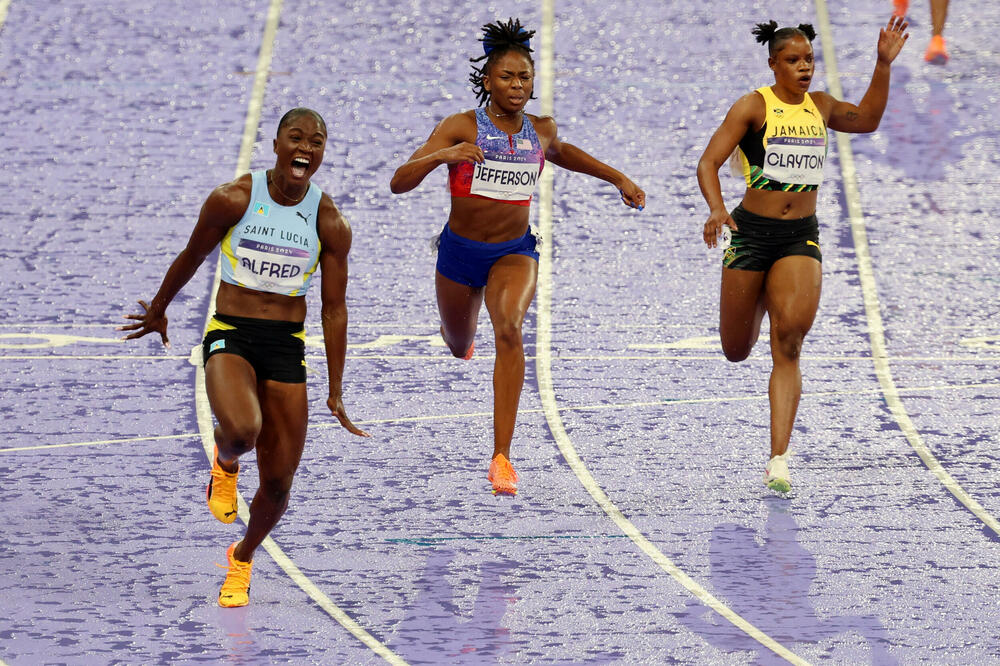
(787, 154)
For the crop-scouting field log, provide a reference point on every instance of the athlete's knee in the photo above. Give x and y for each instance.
(459, 344)
(786, 341)
(736, 353)
(737, 349)
(239, 436)
(508, 334)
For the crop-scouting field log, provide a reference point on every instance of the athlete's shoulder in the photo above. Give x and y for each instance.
(458, 125)
(332, 226)
(241, 186)
(229, 201)
(823, 101)
(461, 119)
(544, 125)
(328, 209)
(750, 106)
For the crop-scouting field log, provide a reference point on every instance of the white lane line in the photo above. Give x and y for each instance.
(204, 410)
(90, 357)
(429, 358)
(665, 402)
(869, 290)
(100, 442)
(546, 389)
(4, 6)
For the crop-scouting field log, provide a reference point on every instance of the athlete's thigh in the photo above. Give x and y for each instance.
(741, 305)
(231, 385)
(285, 412)
(458, 304)
(510, 287)
(792, 290)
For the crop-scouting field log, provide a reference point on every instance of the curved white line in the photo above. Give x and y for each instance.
(543, 368)
(204, 410)
(866, 272)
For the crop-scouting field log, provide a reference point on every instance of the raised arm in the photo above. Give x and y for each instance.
(335, 244)
(568, 156)
(452, 141)
(221, 211)
(747, 113)
(866, 116)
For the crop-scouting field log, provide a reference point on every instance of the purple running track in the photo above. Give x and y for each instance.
(122, 118)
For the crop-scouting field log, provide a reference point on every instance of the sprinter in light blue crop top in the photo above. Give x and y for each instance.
(253, 352)
(273, 248)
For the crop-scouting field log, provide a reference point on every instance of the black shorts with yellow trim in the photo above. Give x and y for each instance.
(761, 241)
(275, 349)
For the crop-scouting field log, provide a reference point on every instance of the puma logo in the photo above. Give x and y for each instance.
(304, 217)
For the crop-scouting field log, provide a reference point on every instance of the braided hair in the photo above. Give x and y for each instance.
(768, 33)
(498, 40)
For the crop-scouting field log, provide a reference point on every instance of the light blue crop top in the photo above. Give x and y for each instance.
(273, 248)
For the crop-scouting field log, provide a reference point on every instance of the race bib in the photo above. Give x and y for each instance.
(506, 177)
(273, 268)
(797, 160)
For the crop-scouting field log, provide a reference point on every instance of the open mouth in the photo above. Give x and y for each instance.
(299, 167)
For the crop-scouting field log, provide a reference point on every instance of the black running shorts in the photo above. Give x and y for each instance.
(761, 241)
(275, 349)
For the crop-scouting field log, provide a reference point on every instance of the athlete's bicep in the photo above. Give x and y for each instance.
(335, 238)
(847, 117)
(333, 274)
(740, 118)
(839, 116)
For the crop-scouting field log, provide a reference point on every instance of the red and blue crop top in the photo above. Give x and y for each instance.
(511, 168)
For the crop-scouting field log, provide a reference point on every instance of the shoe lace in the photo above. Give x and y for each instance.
(223, 485)
(238, 578)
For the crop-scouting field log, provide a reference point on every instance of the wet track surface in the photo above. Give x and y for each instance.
(120, 119)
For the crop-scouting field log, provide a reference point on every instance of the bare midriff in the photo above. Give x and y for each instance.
(780, 205)
(487, 220)
(237, 301)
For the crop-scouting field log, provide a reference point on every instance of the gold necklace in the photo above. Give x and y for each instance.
(272, 181)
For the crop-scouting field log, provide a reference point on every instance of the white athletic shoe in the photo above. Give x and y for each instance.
(776, 476)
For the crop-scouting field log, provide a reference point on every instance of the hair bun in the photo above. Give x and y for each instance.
(765, 31)
(506, 34)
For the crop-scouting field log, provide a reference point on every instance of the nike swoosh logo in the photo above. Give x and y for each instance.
(502, 136)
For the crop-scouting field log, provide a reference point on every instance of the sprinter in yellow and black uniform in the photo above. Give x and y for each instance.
(777, 135)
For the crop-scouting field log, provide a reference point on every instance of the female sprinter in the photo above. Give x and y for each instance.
(275, 228)
(773, 262)
(487, 252)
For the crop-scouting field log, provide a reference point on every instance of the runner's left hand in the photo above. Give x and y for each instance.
(891, 39)
(632, 195)
(336, 406)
